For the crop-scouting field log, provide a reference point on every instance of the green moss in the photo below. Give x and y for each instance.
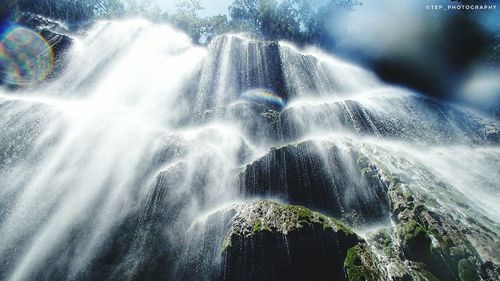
(412, 232)
(408, 196)
(416, 242)
(467, 271)
(258, 226)
(356, 273)
(359, 266)
(288, 217)
(352, 258)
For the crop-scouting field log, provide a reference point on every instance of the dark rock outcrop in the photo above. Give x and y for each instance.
(269, 241)
(337, 180)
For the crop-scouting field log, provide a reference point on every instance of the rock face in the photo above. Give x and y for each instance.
(337, 180)
(236, 65)
(437, 245)
(426, 242)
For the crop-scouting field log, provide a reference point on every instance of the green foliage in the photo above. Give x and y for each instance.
(70, 10)
(213, 26)
(299, 21)
(188, 9)
(186, 18)
(76, 12)
(144, 8)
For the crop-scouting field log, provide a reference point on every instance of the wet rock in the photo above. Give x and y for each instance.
(140, 247)
(339, 181)
(56, 35)
(258, 121)
(419, 119)
(360, 264)
(39, 22)
(235, 65)
(303, 82)
(416, 241)
(411, 118)
(434, 242)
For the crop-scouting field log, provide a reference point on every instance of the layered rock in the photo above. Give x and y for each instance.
(319, 94)
(336, 179)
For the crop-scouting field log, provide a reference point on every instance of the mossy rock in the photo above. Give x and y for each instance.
(433, 238)
(272, 241)
(416, 241)
(265, 215)
(359, 265)
(467, 271)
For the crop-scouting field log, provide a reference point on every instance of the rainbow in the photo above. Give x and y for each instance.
(260, 95)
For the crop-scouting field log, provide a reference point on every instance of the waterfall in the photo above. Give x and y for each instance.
(130, 164)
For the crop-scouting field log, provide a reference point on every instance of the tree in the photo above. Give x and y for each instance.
(214, 26)
(188, 9)
(70, 10)
(187, 18)
(300, 21)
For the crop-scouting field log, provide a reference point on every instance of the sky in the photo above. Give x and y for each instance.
(212, 7)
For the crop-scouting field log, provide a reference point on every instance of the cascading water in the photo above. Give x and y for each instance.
(133, 162)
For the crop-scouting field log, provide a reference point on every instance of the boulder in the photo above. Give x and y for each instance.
(271, 241)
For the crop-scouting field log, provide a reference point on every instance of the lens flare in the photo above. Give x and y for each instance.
(264, 96)
(25, 57)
